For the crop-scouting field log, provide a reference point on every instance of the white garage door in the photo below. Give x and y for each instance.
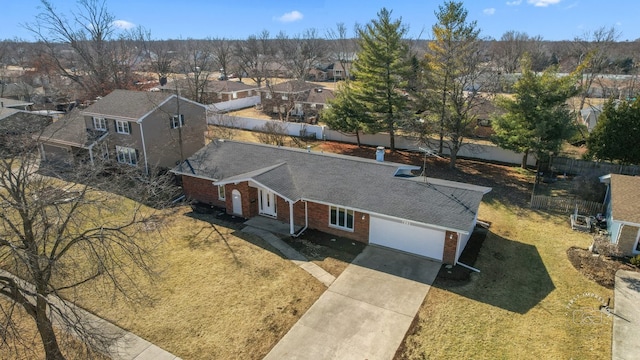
(406, 237)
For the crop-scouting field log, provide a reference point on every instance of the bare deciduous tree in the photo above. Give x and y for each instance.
(273, 133)
(57, 236)
(222, 51)
(196, 63)
(592, 54)
(300, 53)
(255, 56)
(104, 55)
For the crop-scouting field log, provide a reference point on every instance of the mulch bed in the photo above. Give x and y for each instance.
(597, 267)
(458, 275)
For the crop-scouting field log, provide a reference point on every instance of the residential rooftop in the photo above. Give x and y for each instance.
(362, 184)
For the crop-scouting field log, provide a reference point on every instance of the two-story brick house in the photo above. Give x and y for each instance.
(150, 130)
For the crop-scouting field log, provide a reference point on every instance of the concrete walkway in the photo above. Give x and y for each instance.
(626, 319)
(365, 313)
(122, 345)
(293, 255)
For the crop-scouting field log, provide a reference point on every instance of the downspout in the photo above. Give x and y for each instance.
(306, 221)
(91, 154)
(43, 156)
(144, 150)
(468, 267)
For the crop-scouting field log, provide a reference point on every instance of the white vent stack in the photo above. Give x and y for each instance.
(380, 153)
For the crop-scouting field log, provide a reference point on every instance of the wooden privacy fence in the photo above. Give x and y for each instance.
(563, 165)
(567, 205)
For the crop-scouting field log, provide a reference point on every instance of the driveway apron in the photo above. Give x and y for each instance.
(626, 319)
(365, 313)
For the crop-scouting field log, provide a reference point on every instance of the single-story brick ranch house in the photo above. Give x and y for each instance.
(367, 200)
(622, 202)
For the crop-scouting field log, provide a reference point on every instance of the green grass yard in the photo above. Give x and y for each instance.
(527, 302)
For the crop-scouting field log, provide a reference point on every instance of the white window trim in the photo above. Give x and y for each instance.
(221, 193)
(129, 155)
(122, 127)
(234, 95)
(346, 212)
(175, 123)
(100, 123)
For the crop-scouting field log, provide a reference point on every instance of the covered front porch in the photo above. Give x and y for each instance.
(271, 225)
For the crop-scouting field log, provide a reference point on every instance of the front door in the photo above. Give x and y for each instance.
(236, 200)
(267, 203)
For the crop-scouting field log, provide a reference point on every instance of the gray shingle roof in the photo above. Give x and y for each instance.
(11, 103)
(70, 129)
(625, 198)
(362, 184)
(127, 104)
(292, 86)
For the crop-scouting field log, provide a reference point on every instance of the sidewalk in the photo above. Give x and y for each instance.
(293, 255)
(123, 345)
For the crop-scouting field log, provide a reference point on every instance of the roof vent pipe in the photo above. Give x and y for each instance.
(380, 153)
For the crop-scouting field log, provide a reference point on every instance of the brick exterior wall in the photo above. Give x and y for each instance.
(202, 190)
(450, 247)
(318, 214)
(627, 239)
(319, 220)
(249, 199)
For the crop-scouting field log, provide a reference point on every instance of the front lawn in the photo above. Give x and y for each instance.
(225, 295)
(528, 301)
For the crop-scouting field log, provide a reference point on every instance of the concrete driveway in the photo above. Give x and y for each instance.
(365, 313)
(626, 321)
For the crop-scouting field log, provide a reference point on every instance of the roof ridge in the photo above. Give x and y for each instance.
(322, 153)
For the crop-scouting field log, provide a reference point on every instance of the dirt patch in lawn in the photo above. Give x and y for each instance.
(451, 276)
(597, 267)
(330, 252)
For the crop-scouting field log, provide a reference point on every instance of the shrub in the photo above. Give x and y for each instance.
(635, 260)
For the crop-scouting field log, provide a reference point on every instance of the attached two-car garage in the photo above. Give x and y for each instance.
(406, 236)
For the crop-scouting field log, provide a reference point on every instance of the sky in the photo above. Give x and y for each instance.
(238, 19)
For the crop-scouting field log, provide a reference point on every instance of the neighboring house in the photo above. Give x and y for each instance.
(373, 202)
(16, 124)
(226, 90)
(214, 91)
(332, 71)
(622, 203)
(311, 107)
(282, 98)
(145, 129)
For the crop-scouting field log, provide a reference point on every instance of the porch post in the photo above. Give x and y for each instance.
(292, 228)
(91, 154)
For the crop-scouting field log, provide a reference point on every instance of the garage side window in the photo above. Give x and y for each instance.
(341, 217)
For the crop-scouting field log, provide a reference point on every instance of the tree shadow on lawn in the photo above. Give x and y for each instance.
(312, 244)
(513, 276)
